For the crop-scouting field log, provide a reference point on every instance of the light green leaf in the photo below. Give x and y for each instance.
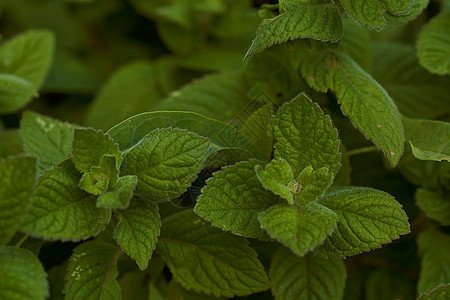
(232, 199)
(439, 293)
(165, 161)
(48, 139)
(137, 230)
(433, 45)
(372, 12)
(92, 272)
(362, 99)
(209, 260)
(417, 93)
(277, 177)
(434, 247)
(417, 8)
(120, 196)
(436, 206)
(21, 275)
(429, 139)
(15, 93)
(300, 228)
(317, 19)
(60, 210)
(17, 177)
(222, 136)
(367, 219)
(312, 184)
(220, 96)
(308, 277)
(305, 136)
(129, 91)
(89, 146)
(28, 56)
(100, 178)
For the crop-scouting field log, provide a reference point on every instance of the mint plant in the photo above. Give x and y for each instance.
(224, 149)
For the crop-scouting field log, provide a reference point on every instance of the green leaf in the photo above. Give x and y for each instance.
(11, 143)
(120, 196)
(17, 177)
(129, 91)
(417, 8)
(21, 275)
(417, 93)
(15, 93)
(28, 56)
(220, 96)
(48, 139)
(232, 199)
(312, 184)
(372, 12)
(165, 161)
(384, 284)
(89, 146)
(429, 139)
(434, 247)
(439, 293)
(100, 178)
(278, 178)
(367, 218)
(60, 210)
(305, 136)
(137, 231)
(92, 272)
(362, 99)
(308, 277)
(435, 205)
(433, 45)
(222, 136)
(209, 260)
(317, 19)
(300, 228)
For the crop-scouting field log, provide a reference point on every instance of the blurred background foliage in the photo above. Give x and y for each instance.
(117, 58)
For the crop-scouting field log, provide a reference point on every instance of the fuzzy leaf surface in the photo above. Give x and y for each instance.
(121, 194)
(208, 260)
(306, 278)
(137, 230)
(435, 205)
(277, 177)
(433, 248)
(222, 136)
(17, 177)
(429, 139)
(48, 139)
(433, 45)
(21, 275)
(312, 184)
(367, 219)
(362, 99)
(28, 56)
(89, 146)
(417, 8)
(60, 210)
(317, 19)
(92, 272)
(439, 293)
(101, 178)
(233, 198)
(305, 136)
(372, 12)
(301, 229)
(165, 161)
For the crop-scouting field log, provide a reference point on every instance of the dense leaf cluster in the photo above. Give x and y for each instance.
(217, 149)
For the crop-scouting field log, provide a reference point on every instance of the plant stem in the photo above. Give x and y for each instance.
(23, 239)
(362, 150)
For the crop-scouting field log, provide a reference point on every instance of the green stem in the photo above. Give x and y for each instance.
(362, 150)
(23, 239)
